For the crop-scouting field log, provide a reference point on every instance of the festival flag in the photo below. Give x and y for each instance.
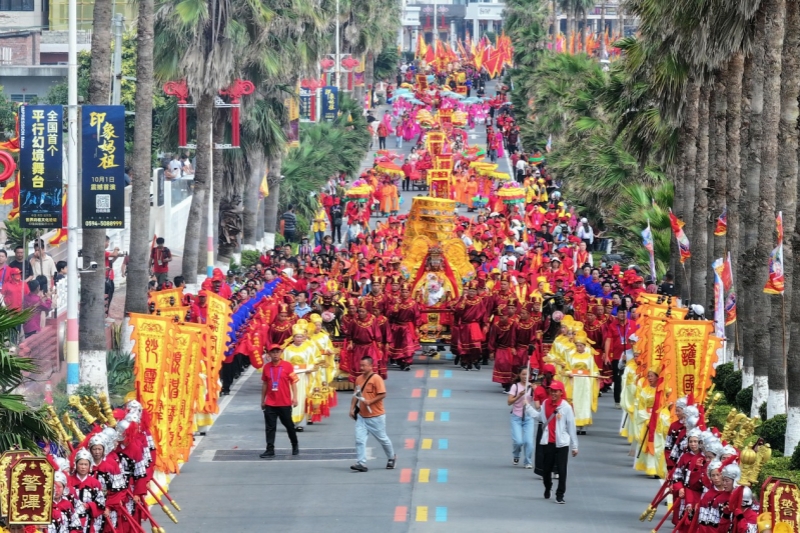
(680, 236)
(730, 291)
(422, 48)
(775, 283)
(722, 223)
(549, 145)
(430, 53)
(719, 298)
(694, 348)
(263, 189)
(494, 65)
(647, 241)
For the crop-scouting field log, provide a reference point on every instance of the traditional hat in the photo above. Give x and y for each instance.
(472, 284)
(299, 328)
(733, 472)
(582, 338)
(284, 308)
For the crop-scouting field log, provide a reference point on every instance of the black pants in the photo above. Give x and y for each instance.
(288, 236)
(617, 368)
(271, 416)
(538, 460)
(406, 183)
(336, 233)
(555, 459)
(381, 143)
(226, 374)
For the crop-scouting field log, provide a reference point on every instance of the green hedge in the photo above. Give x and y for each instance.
(732, 386)
(717, 416)
(744, 399)
(774, 432)
(778, 467)
(723, 371)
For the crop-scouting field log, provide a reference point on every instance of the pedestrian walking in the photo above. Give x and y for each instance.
(278, 397)
(559, 435)
(383, 132)
(520, 398)
(366, 408)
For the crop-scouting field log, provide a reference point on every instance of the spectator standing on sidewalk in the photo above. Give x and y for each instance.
(383, 132)
(368, 411)
(278, 397)
(289, 224)
(160, 258)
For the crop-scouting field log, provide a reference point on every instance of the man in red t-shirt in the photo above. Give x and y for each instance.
(617, 344)
(160, 256)
(278, 396)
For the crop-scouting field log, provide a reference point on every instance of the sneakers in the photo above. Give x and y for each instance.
(528, 466)
(617, 406)
(358, 467)
(267, 454)
(390, 464)
(560, 499)
(295, 450)
(546, 494)
(516, 461)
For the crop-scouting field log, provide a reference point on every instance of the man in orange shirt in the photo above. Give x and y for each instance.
(371, 417)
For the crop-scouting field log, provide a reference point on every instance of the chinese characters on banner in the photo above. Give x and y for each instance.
(780, 498)
(30, 495)
(695, 350)
(219, 323)
(103, 158)
(330, 102)
(40, 164)
(7, 460)
(191, 367)
(305, 104)
(293, 135)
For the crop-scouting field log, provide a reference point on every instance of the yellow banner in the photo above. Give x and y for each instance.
(167, 298)
(190, 386)
(153, 338)
(178, 313)
(692, 346)
(219, 323)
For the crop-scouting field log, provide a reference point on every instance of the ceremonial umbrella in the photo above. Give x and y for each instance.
(511, 194)
(387, 167)
(359, 193)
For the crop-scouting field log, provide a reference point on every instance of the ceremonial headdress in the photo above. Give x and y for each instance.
(655, 368)
(733, 472)
(473, 284)
(694, 433)
(283, 308)
(681, 402)
(730, 450)
(315, 318)
(714, 447)
(715, 464)
(60, 478)
(582, 338)
(83, 453)
(299, 328)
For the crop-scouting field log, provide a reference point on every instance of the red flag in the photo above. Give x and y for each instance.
(680, 236)
(494, 65)
(722, 223)
(430, 54)
(775, 283)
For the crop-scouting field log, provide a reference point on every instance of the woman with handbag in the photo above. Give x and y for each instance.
(523, 416)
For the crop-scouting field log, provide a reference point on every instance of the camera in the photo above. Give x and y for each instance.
(93, 265)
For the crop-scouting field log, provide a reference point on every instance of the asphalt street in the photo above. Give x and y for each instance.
(451, 433)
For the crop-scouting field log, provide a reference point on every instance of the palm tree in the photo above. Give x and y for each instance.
(20, 425)
(787, 171)
(699, 234)
(138, 266)
(92, 335)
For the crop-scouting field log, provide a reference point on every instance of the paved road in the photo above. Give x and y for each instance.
(450, 429)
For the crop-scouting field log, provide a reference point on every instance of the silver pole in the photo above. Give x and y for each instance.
(73, 359)
(338, 68)
(116, 97)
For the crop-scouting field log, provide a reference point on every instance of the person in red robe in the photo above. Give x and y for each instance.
(280, 330)
(528, 335)
(88, 490)
(363, 338)
(404, 318)
(503, 343)
(470, 310)
(713, 503)
(687, 481)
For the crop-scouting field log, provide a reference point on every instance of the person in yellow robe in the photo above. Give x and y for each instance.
(627, 400)
(471, 190)
(459, 189)
(650, 461)
(304, 356)
(582, 386)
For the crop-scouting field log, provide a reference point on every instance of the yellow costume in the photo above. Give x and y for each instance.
(304, 358)
(653, 464)
(582, 389)
(627, 399)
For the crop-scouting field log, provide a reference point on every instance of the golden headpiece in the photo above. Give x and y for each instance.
(300, 328)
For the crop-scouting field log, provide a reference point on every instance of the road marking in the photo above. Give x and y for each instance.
(448, 373)
(434, 373)
(423, 357)
(422, 514)
(405, 475)
(413, 416)
(424, 475)
(419, 374)
(427, 443)
(446, 393)
(441, 475)
(449, 356)
(444, 416)
(430, 416)
(432, 393)
(400, 513)
(410, 444)
(441, 514)
(443, 444)
(416, 393)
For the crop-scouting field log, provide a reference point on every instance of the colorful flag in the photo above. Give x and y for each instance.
(647, 241)
(680, 236)
(549, 145)
(722, 223)
(719, 298)
(775, 282)
(724, 270)
(422, 48)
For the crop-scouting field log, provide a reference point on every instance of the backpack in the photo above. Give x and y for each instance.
(383, 131)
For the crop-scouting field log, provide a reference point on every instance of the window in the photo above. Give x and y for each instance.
(24, 98)
(16, 5)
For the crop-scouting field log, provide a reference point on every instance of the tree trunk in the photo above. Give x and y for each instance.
(679, 207)
(555, 25)
(690, 170)
(699, 237)
(91, 328)
(750, 193)
(602, 33)
(198, 209)
(274, 166)
(734, 128)
(768, 360)
(138, 265)
(585, 30)
(721, 157)
(774, 336)
(710, 181)
(788, 169)
(569, 30)
(219, 174)
(258, 165)
(369, 78)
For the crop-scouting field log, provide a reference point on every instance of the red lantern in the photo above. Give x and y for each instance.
(236, 90)
(181, 91)
(350, 62)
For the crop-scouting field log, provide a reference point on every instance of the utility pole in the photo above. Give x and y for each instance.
(338, 58)
(435, 27)
(73, 355)
(116, 95)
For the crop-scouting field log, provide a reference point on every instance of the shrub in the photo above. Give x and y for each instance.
(773, 431)
(762, 411)
(120, 375)
(794, 462)
(717, 416)
(250, 258)
(723, 371)
(778, 467)
(732, 386)
(744, 400)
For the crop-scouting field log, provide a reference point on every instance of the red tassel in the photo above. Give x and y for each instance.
(333, 401)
